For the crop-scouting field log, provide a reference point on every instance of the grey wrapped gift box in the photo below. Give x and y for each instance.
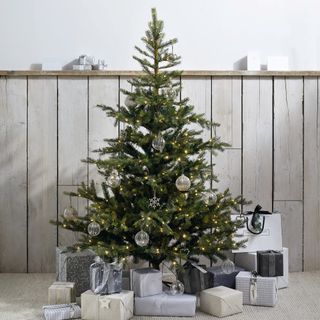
(74, 267)
(62, 311)
(222, 279)
(270, 263)
(166, 305)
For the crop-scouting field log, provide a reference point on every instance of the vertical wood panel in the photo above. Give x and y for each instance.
(42, 172)
(73, 131)
(13, 168)
(311, 175)
(257, 141)
(288, 179)
(291, 216)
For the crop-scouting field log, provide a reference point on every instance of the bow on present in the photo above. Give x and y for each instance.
(255, 220)
(192, 263)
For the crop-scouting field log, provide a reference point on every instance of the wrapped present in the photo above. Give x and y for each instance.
(62, 311)
(248, 261)
(125, 284)
(74, 267)
(105, 278)
(221, 301)
(223, 279)
(260, 291)
(117, 306)
(270, 263)
(165, 305)
(146, 282)
(61, 293)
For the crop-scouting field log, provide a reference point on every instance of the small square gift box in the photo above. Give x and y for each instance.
(74, 267)
(221, 278)
(183, 305)
(221, 301)
(259, 291)
(146, 282)
(117, 306)
(194, 277)
(249, 262)
(62, 311)
(270, 263)
(61, 293)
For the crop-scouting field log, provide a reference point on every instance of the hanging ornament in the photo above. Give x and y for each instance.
(154, 202)
(129, 102)
(94, 229)
(227, 266)
(70, 212)
(209, 198)
(158, 143)
(141, 238)
(114, 179)
(183, 183)
(176, 288)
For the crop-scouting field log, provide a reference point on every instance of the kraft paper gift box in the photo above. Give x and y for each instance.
(61, 293)
(74, 267)
(221, 301)
(62, 311)
(222, 279)
(145, 282)
(248, 261)
(166, 305)
(260, 291)
(117, 306)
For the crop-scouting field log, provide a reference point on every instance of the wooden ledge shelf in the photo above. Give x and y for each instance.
(128, 73)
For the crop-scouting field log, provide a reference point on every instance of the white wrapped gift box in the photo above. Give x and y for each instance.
(260, 291)
(117, 306)
(145, 282)
(221, 301)
(61, 293)
(165, 305)
(248, 261)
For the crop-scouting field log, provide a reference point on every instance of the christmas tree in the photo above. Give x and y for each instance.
(156, 205)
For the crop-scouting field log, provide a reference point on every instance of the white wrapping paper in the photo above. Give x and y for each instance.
(117, 306)
(264, 293)
(248, 261)
(62, 312)
(61, 293)
(165, 305)
(146, 282)
(221, 301)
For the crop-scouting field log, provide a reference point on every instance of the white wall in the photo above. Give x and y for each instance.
(212, 34)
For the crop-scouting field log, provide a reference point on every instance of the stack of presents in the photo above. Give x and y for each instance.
(108, 292)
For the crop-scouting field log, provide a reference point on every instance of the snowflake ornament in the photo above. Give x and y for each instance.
(154, 202)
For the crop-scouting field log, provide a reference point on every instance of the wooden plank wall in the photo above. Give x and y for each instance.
(49, 123)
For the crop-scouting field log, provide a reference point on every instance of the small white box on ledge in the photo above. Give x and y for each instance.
(278, 63)
(251, 62)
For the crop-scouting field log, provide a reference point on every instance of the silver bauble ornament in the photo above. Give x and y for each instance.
(114, 180)
(209, 198)
(176, 288)
(94, 229)
(70, 212)
(158, 143)
(227, 266)
(129, 102)
(141, 238)
(183, 183)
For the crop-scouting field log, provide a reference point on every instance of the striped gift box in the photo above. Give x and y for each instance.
(62, 311)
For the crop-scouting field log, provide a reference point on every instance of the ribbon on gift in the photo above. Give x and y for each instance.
(255, 223)
(253, 288)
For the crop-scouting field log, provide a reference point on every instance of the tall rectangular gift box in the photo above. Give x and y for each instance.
(260, 291)
(145, 282)
(221, 301)
(249, 262)
(117, 306)
(165, 305)
(222, 279)
(61, 293)
(74, 267)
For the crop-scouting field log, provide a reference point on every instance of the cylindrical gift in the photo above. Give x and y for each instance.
(62, 311)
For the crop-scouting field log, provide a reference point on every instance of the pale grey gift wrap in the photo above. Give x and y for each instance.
(146, 282)
(166, 305)
(62, 311)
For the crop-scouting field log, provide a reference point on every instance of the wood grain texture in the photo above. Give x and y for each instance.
(72, 129)
(288, 138)
(292, 217)
(257, 141)
(311, 174)
(42, 173)
(13, 168)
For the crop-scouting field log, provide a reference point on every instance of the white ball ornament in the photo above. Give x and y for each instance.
(142, 238)
(209, 198)
(94, 229)
(114, 180)
(70, 213)
(158, 143)
(183, 183)
(227, 266)
(129, 102)
(176, 288)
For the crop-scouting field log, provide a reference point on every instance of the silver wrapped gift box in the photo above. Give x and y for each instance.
(62, 311)
(165, 305)
(74, 267)
(259, 291)
(146, 282)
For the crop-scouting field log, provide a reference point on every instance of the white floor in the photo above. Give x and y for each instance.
(23, 295)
